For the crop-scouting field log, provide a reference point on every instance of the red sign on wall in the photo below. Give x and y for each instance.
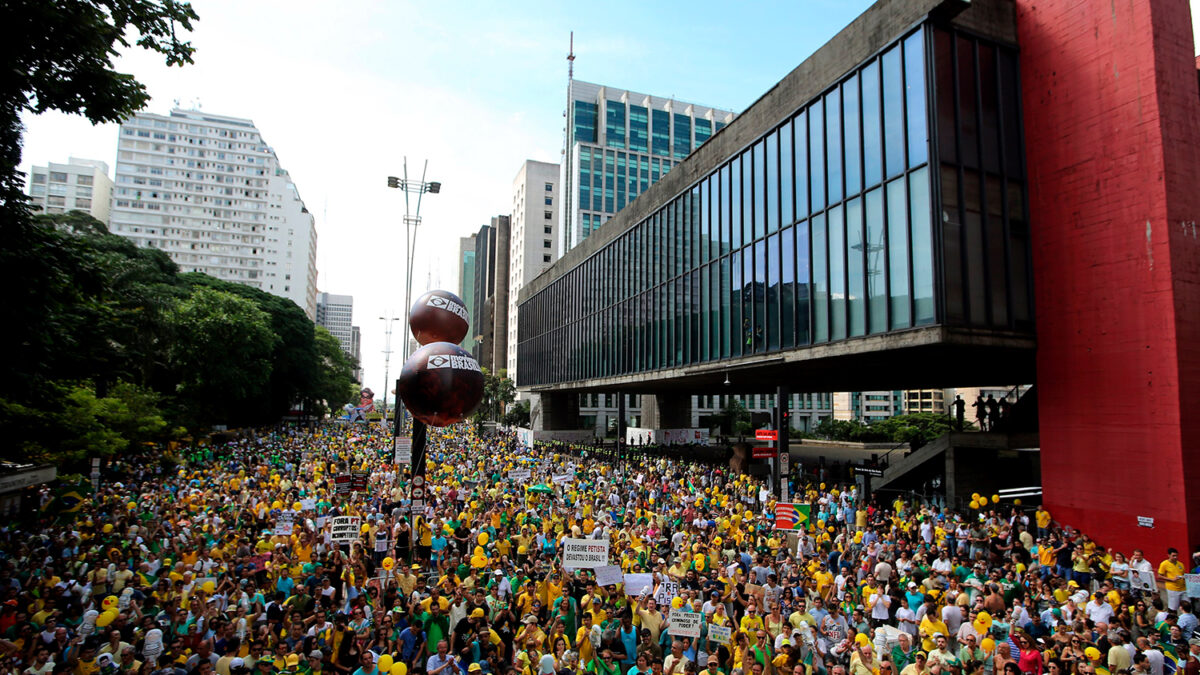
(766, 435)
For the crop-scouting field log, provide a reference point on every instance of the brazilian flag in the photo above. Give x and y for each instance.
(69, 498)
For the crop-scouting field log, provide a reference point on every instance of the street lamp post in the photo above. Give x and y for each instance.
(412, 220)
(387, 358)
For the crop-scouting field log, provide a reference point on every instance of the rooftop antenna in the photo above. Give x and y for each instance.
(571, 58)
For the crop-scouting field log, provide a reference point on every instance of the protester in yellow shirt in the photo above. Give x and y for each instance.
(1170, 572)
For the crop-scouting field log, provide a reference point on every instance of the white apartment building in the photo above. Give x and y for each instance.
(80, 184)
(532, 238)
(209, 191)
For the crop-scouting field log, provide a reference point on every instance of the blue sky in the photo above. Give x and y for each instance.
(344, 90)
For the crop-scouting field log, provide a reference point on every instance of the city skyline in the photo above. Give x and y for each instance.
(336, 93)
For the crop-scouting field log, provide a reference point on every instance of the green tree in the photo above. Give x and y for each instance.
(58, 56)
(221, 350)
(334, 386)
(498, 392)
(734, 419)
(517, 415)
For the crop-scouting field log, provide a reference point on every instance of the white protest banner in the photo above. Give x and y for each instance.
(1143, 580)
(283, 524)
(1192, 582)
(321, 520)
(685, 624)
(308, 504)
(718, 634)
(563, 477)
(585, 553)
(638, 584)
(403, 450)
(608, 575)
(520, 475)
(666, 592)
(344, 529)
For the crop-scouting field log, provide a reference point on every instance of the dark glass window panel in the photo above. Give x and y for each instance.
(660, 133)
(820, 280)
(816, 156)
(952, 236)
(722, 208)
(943, 73)
(735, 305)
(876, 249)
(837, 274)
(914, 84)
(735, 201)
(989, 109)
(694, 234)
(614, 127)
(833, 145)
(683, 135)
(800, 164)
(703, 130)
(803, 288)
(997, 241)
(921, 227)
(706, 235)
(787, 287)
(748, 305)
(703, 308)
(1010, 113)
(724, 290)
(585, 121)
(974, 242)
(639, 128)
(750, 191)
(759, 293)
(851, 116)
(769, 176)
(967, 122)
(872, 129)
(1018, 232)
(856, 306)
(787, 184)
(893, 112)
(772, 290)
(898, 286)
(693, 337)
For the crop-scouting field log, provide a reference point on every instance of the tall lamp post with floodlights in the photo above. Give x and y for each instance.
(412, 220)
(387, 359)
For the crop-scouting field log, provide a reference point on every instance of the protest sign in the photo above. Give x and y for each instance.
(685, 624)
(718, 634)
(1193, 585)
(520, 475)
(342, 483)
(563, 477)
(308, 504)
(283, 524)
(403, 450)
(638, 584)
(585, 553)
(666, 592)
(608, 575)
(344, 529)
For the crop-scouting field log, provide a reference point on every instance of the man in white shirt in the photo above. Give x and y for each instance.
(1098, 610)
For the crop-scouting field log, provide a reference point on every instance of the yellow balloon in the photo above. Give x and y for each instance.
(399, 669)
(208, 587)
(483, 538)
(131, 505)
(277, 504)
(1092, 653)
(974, 504)
(974, 496)
(385, 663)
(677, 603)
(364, 529)
(995, 499)
(107, 528)
(388, 563)
(109, 602)
(988, 645)
(297, 506)
(106, 618)
(1017, 502)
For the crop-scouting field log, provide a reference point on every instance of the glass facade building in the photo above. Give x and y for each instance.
(619, 144)
(893, 200)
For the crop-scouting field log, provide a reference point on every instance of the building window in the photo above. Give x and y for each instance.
(545, 243)
(549, 201)
(546, 258)
(83, 203)
(39, 178)
(548, 215)
(83, 180)
(549, 187)
(58, 177)
(56, 201)
(548, 229)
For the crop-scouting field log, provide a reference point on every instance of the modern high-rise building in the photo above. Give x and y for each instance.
(532, 246)
(78, 185)
(490, 316)
(336, 314)
(618, 144)
(356, 352)
(867, 406)
(209, 191)
(466, 287)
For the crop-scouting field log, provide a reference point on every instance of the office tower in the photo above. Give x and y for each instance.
(532, 240)
(80, 184)
(619, 143)
(466, 287)
(209, 191)
(336, 314)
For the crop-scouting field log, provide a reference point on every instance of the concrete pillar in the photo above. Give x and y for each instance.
(1111, 131)
(555, 411)
(666, 411)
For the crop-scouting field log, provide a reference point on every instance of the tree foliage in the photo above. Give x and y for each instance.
(498, 392)
(111, 346)
(734, 419)
(517, 415)
(917, 429)
(59, 56)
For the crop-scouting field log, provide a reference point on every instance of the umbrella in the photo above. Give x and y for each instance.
(542, 489)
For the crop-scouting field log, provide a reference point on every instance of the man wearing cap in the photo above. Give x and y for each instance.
(312, 664)
(291, 663)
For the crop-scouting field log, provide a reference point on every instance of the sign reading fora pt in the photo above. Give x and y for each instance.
(585, 553)
(766, 435)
